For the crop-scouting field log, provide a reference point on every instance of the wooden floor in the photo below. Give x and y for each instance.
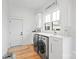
(25, 52)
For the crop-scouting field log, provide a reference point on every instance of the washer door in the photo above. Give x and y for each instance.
(42, 47)
(35, 39)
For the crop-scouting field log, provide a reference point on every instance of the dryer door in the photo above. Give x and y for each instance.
(42, 47)
(35, 39)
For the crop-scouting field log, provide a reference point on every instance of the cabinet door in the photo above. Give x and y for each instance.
(55, 48)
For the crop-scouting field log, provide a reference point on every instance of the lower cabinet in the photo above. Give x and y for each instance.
(55, 48)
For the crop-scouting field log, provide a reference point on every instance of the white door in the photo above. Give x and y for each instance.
(15, 32)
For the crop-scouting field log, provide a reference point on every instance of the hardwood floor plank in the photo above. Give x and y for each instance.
(25, 52)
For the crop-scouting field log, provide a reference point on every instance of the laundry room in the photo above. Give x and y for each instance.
(38, 29)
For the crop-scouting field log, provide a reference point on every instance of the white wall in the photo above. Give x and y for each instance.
(4, 27)
(28, 21)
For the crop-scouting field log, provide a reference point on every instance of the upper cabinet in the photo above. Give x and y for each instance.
(49, 19)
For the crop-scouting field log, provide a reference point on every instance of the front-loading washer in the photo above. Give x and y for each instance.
(44, 47)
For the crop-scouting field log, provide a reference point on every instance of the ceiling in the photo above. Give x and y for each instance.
(31, 4)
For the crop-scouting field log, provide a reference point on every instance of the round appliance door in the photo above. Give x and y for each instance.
(35, 39)
(42, 47)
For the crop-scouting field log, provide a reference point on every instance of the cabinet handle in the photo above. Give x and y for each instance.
(56, 39)
(51, 47)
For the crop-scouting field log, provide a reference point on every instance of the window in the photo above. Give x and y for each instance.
(47, 22)
(52, 20)
(48, 19)
(56, 15)
(39, 19)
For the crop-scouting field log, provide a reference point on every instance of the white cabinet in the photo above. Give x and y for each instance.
(55, 48)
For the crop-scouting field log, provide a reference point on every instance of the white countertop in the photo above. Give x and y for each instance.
(49, 34)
